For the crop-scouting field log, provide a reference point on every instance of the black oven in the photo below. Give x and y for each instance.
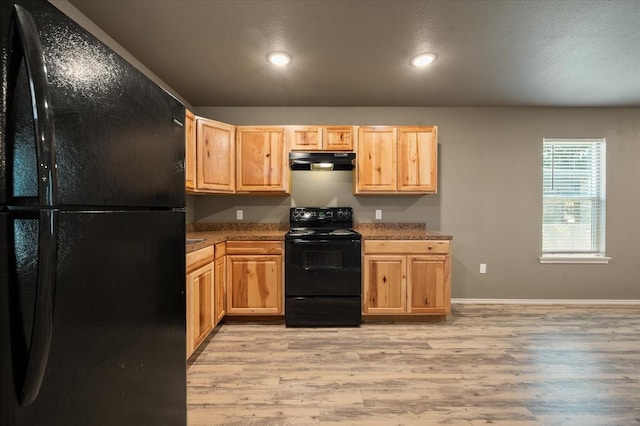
(322, 269)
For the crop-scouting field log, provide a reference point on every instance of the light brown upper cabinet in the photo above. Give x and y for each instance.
(215, 156)
(321, 138)
(418, 159)
(397, 160)
(262, 159)
(190, 151)
(305, 138)
(377, 159)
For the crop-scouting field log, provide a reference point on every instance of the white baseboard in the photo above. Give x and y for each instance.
(468, 301)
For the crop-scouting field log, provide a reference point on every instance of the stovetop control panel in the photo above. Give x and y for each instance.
(319, 215)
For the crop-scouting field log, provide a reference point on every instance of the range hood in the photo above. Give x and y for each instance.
(322, 160)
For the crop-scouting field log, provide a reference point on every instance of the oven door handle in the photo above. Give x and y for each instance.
(321, 268)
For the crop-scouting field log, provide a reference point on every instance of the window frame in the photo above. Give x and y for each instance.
(597, 255)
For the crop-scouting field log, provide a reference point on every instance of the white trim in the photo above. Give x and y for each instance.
(468, 301)
(573, 258)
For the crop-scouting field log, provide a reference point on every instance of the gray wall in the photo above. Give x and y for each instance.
(489, 192)
(489, 199)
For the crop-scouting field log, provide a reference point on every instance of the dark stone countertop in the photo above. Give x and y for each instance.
(213, 233)
(398, 231)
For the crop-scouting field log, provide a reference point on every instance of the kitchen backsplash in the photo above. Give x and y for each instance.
(316, 189)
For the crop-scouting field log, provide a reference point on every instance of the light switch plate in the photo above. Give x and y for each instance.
(378, 214)
(239, 214)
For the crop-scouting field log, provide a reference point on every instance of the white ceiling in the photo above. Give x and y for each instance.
(357, 52)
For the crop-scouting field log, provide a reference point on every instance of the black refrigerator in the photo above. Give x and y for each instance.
(92, 235)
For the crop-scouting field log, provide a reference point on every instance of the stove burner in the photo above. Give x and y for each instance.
(301, 232)
(341, 232)
(320, 223)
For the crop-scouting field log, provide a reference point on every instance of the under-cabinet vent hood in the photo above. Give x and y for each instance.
(322, 160)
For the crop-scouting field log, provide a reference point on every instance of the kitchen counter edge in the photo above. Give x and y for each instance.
(211, 238)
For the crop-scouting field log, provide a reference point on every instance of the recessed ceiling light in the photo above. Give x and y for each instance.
(279, 58)
(423, 59)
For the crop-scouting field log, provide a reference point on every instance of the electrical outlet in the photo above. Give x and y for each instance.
(483, 268)
(378, 214)
(239, 214)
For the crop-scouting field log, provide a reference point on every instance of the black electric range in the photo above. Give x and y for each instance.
(322, 268)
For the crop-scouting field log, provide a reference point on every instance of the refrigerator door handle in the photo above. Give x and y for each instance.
(42, 328)
(25, 30)
(41, 107)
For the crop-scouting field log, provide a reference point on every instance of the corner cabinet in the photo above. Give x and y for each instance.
(321, 138)
(262, 159)
(190, 151)
(255, 284)
(216, 156)
(200, 297)
(407, 277)
(393, 160)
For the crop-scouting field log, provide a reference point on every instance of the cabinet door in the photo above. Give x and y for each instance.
(417, 159)
(200, 318)
(215, 156)
(190, 151)
(377, 159)
(254, 284)
(305, 138)
(262, 159)
(384, 284)
(428, 284)
(219, 289)
(338, 138)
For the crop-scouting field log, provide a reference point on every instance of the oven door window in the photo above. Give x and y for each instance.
(313, 260)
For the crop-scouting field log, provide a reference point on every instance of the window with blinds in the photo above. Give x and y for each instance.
(573, 206)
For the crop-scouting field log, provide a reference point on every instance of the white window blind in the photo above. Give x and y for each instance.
(573, 212)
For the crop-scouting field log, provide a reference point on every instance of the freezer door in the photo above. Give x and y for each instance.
(119, 138)
(117, 352)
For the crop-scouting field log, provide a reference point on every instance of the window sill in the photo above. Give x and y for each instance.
(575, 258)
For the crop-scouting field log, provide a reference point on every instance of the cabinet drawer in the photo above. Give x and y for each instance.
(406, 246)
(254, 247)
(198, 258)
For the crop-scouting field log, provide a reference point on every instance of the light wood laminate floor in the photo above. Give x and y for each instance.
(487, 364)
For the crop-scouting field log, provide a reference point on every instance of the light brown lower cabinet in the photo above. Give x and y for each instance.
(254, 278)
(220, 282)
(407, 277)
(200, 297)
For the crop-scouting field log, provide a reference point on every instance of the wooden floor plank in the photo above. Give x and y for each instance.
(497, 364)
